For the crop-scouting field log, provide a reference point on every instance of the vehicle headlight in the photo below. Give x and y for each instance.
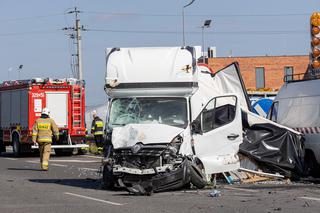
(175, 144)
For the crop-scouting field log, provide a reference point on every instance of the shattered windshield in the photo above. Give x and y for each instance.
(169, 111)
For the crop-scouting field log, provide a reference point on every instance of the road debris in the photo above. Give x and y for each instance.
(250, 176)
(306, 204)
(215, 193)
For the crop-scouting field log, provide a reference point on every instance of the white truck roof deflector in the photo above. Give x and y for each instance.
(154, 70)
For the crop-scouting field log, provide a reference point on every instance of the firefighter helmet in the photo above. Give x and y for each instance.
(45, 111)
(94, 113)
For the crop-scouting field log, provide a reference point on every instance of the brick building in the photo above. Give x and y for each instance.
(264, 72)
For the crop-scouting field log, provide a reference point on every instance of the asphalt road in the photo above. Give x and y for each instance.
(72, 184)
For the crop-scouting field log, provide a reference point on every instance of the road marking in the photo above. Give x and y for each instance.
(310, 198)
(10, 158)
(76, 161)
(32, 161)
(245, 190)
(91, 169)
(60, 165)
(66, 161)
(95, 199)
(90, 156)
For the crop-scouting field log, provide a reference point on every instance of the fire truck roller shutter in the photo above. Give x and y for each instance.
(57, 102)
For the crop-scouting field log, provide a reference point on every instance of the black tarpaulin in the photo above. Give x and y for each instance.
(275, 149)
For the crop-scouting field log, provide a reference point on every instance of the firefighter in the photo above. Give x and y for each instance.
(43, 130)
(97, 130)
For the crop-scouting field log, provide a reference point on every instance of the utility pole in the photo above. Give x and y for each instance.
(77, 37)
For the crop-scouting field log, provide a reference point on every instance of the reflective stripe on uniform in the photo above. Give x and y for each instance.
(45, 165)
(44, 139)
(98, 133)
(44, 126)
(99, 123)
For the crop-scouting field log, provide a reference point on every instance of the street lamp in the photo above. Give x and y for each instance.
(184, 39)
(19, 70)
(205, 25)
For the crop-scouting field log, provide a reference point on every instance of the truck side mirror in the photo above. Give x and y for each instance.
(196, 127)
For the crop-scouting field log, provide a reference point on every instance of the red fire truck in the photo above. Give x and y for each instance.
(21, 103)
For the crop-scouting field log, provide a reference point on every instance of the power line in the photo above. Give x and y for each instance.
(31, 17)
(155, 15)
(72, 36)
(274, 32)
(29, 33)
(199, 15)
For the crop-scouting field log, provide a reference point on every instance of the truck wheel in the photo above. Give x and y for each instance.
(197, 178)
(2, 147)
(312, 167)
(108, 181)
(82, 151)
(16, 146)
(63, 152)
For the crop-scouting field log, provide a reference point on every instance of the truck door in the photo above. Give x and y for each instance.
(217, 134)
(57, 102)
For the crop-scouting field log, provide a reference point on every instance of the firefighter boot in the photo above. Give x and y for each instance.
(45, 165)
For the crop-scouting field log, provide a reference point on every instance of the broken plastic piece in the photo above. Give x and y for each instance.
(215, 193)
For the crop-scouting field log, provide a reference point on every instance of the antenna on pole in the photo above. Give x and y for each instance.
(76, 36)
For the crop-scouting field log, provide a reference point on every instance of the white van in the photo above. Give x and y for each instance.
(297, 105)
(171, 121)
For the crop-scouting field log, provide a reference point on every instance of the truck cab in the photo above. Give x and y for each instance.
(171, 121)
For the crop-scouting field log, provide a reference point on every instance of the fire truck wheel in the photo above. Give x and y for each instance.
(82, 151)
(63, 152)
(16, 146)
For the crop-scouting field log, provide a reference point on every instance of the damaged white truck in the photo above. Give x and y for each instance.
(172, 121)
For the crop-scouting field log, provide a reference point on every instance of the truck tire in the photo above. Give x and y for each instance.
(16, 146)
(82, 151)
(108, 181)
(63, 152)
(197, 178)
(311, 164)
(2, 147)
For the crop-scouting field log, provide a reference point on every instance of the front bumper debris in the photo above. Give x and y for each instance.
(156, 170)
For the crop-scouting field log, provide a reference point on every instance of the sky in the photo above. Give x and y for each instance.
(31, 32)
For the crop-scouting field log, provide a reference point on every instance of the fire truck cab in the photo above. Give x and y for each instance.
(21, 103)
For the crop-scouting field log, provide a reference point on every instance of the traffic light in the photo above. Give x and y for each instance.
(315, 40)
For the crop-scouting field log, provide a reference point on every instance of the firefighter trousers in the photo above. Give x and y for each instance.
(45, 150)
(99, 140)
